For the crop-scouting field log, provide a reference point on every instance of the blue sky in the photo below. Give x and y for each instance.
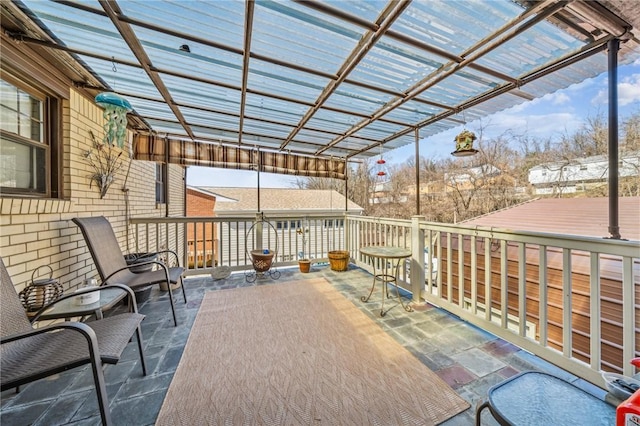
(551, 116)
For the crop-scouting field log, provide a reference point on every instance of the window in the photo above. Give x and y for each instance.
(28, 140)
(161, 171)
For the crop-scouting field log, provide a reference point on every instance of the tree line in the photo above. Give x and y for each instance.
(455, 189)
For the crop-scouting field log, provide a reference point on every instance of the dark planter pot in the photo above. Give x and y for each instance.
(134, 258)
(142, 294)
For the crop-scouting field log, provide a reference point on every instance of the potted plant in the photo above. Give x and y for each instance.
(303, 262)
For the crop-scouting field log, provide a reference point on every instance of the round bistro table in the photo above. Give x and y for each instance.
(386, 263)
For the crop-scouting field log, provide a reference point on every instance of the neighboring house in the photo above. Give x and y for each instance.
(563, 216)
(287, 210)
(466, 179)
(580, 174)
(48, 118)
(202, 237)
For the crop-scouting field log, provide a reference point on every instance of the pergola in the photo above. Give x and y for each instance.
(303, 87)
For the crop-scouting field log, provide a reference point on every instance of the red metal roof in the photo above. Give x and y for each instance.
(572, 216)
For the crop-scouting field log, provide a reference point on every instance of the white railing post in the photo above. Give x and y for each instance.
(417, 258)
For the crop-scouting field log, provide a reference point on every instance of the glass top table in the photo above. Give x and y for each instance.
(533, 398)
(69, 307)
(383, 271)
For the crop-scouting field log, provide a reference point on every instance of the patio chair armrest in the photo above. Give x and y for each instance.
(86, 331)
(171, 252)
(136, 265)
(130, 294)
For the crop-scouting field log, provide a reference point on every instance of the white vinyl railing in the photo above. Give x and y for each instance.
(207, 242)
(568, 299)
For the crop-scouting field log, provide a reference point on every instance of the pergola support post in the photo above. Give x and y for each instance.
(614, 228)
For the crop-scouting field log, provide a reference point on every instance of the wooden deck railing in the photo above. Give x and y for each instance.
(571, 300)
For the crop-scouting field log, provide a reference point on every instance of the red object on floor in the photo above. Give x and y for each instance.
(628, 412)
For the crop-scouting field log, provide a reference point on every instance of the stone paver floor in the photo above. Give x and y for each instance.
(469, 359)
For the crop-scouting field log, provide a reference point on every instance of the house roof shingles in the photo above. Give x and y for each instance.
(279, 199)
(572, 216)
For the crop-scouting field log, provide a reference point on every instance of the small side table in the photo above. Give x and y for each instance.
(68, 308)
(386, 255)
(534, 398)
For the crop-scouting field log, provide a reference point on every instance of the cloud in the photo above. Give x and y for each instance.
(628, 92)
(559, 98)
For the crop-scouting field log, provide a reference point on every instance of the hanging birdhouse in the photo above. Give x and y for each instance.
(464, 144)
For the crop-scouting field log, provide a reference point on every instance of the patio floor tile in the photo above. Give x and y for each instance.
(469, 359)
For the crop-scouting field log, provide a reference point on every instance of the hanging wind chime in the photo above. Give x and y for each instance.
(115, 113)
(464, 142)
(102, 157)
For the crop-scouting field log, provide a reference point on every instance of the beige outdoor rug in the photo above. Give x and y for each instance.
(299, 353)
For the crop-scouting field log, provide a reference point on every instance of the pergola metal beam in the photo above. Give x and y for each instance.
(391, 12)
(508, 31)
(268, 59)
(248, 29)
(583, 53)
(112, 10)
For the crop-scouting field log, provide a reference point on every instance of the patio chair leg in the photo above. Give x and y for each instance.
(101, 390)
(142, 360)
(173, 308)
(184, 291)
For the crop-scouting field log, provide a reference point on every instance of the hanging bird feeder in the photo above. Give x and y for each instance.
(115, 113)
(464, 144)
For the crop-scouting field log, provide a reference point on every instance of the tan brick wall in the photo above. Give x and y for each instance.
(36, 232)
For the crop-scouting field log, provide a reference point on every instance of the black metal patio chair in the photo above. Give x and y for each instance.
(28, 354)
(112, 266)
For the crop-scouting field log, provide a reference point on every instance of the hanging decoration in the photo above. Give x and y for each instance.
(115, 113)
(380, 179)
(464, 142)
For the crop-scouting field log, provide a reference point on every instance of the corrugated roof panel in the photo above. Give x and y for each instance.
(274, 109)
(332, 121)
(205, 118)
(350, 97)
(407, 139)
(229, 136)
(152, 109)
(82, 30)
(203, 94)
(202, 61)
(293, 33)
(438, 127)
(274, 130)
(222, 21)
(297, 33)
(394, 65)
(313, 136)
(413, 112)
(456, 89)
(580, 71)
(454, 25)
(165, 127)
(124, 78)
(531, 49)
(283, 81)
